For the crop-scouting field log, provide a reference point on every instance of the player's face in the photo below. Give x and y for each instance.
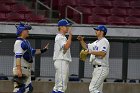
(98, 33)
(25, 33)
(65, 29)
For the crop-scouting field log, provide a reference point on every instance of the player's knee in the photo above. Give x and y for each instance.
(93, 90)
(21, 89)
(30, 88)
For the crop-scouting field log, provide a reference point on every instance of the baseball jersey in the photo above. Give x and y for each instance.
(59, 52)
(100, 45)
(23, 50)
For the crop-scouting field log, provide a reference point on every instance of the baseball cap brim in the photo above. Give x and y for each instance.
(96, 28)
(28, 27)
(68, 24)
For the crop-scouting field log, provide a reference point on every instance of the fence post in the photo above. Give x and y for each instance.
(37, 58)
(125, 61)
(81, 67)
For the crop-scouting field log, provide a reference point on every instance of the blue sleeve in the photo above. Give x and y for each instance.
(33, 51)
(18, 56)
(24, 46)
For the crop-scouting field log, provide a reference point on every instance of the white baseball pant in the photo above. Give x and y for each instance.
(61, 75)
(26, 72)
(98, 76)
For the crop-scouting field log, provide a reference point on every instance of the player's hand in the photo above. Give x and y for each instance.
(70, 33)
(80, 38)
(19, 73)
(47, 46)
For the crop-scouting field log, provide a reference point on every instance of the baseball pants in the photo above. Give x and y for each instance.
(98, 76)
(61, 75)
(27, 85)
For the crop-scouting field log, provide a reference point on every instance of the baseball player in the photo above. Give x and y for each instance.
(100, 49)
(23, 60)
(62, 56)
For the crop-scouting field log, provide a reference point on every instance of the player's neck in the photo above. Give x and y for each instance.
(61, 32)
(22, 37)
(100, 37)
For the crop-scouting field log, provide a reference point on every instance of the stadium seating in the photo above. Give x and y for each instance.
(121, 4)
(112, 12)
(133, 21)
(103, 3)
(4, 9)
(101, 11)
(135, 4)
(95, 19)
(20, 8)
(134, 12)
(2, 17)
(115, 20)
(10, 10)
(86, 3)
(119, 12)
(35, 18)
(16, 17)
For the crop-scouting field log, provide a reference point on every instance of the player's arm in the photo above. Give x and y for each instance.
(18, 65)
(98, 53)
(39, 51)
(68, 43)
(82, 42)
(18, 54)
(101, 52)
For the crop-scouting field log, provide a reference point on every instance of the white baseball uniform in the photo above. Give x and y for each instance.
(101, 65)
(61, 59)
(23, 50)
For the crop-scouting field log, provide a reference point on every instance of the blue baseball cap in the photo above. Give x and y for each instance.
(63, 22)
(22, 27)
(101, 28)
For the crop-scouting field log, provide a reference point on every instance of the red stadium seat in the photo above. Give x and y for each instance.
(101, 11)
(20, 8)
(103, 3)
(135, 4)
(121, 4)
(115, 20)
(84, 10)
(133, 21)
(4, 9)
(35, 18)
(72, 3)
(2, 17)
(119, 12)
(134, 12)
(15, 17)
(8, 1)
(87, 3)
(94, 19)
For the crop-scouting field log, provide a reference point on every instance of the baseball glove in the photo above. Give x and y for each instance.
(20, 80)
(83, 55)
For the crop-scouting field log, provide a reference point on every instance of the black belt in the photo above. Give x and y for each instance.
(26, 67)
(97, 66)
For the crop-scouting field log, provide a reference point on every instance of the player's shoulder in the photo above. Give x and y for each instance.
(105, 40)
(59, 36)
(17, 42)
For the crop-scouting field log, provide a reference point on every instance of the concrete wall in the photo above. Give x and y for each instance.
(51, 29)
(74, 87)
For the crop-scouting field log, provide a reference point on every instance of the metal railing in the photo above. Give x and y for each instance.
(66, 14)
(47, 7)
